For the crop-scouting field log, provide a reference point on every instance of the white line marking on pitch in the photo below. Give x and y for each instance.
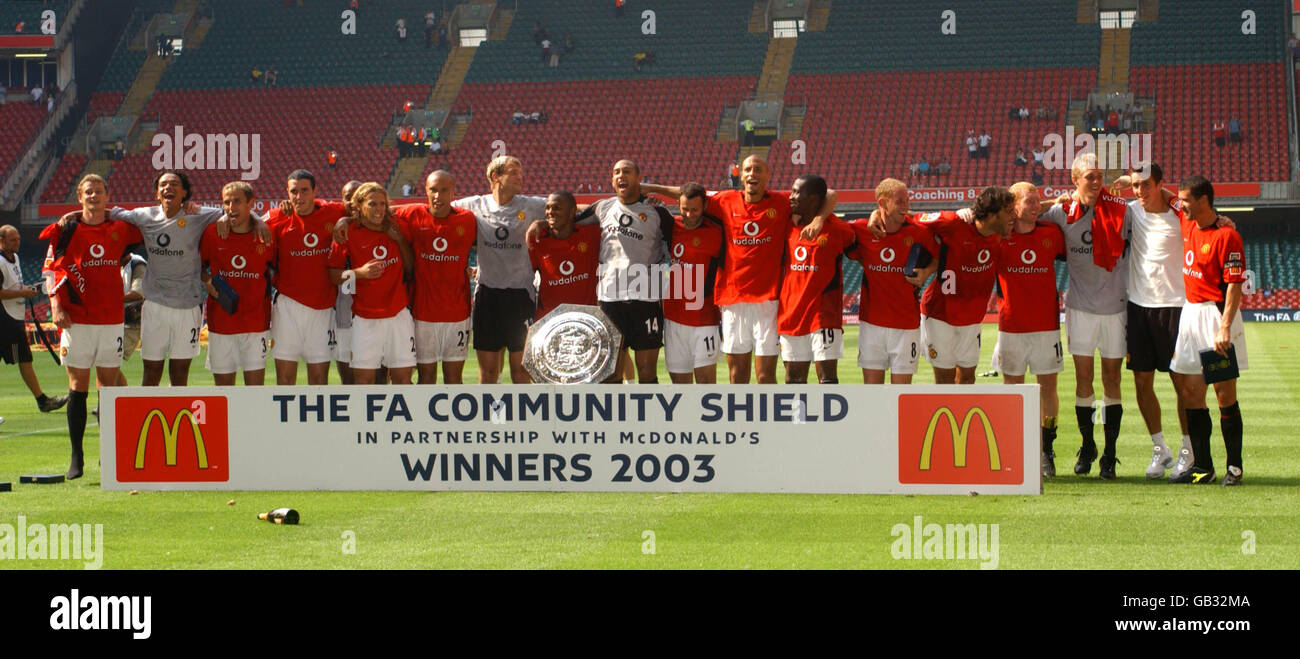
(41, 432)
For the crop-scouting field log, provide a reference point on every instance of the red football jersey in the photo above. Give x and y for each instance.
(302, 247)
(568, 268)
(384, 296)
(699, 248)
(1212, 259)
(441, 248)
(243, 262)
(959, 294)
(754, 235)
(92, 264)
(1027, 280)
(888, 300)
(811, 291)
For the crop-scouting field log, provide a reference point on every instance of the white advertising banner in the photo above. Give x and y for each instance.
(652, 438)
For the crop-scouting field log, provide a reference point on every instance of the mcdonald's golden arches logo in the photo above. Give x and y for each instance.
(172, 439)
(961, 438)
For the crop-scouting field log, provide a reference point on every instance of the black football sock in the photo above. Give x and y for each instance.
(76, 431)
(1230, 426)
(1084, 416)
(1048, 433)
(1199, 427)
(1114, 414)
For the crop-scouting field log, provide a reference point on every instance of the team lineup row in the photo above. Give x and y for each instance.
(389, 287)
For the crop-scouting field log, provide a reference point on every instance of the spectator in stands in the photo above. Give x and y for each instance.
(406, 189)
(985, 141)
(19, 27)
(118, 149)
(734, 174)
(1112, 121)
(1217, 131)
(1126, 124)
(1038, 156)
(272, 77)
(1021, 160)
(637, 60)
(618, 8)
(333, 158)
(256, 74)
(37, 92)
(401, 29)
(914, 169)
(1040, 113)
(436, 147)
(435, 133)
(924, 166)
(1234, 129)
(1039, 172)
(408, 106)
(160, 46)
(546, 50)
(943, 168)
(1024, 113)
(1013, 113)
(518, 117)
(49, 107)
(428, 29)
(442, 38)
(748, 126)
(972, 145)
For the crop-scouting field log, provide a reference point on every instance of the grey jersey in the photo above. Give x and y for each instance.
(630, 234)
(1090, 287)
(502, 258)
(172, 278)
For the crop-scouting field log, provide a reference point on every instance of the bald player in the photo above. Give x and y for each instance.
(755, 222)
(14, 348)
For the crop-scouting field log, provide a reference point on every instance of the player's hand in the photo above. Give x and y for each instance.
(69, 219)
(536, 231)
(191, 208)
(813, 229)
(60, 317)
(654, 200)
(341, 230)
(876, 223)
(1120, 185)
(286, 207)
(922, 274)
(212, 290)
(261, 231)
(1225, 222)
(967, 215)
(29, 291)
(392, 231)
(371, 270)
(472, 273)
(223, 226)
(1223, 340)
(1064, 200)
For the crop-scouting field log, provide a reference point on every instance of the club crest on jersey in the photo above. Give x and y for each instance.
(771, 212)
(887, 255)
(983, 256)
(642, 216)
(97, 251)
(1205, 249)
(439, 244)
(238, 262)
(327, 227)
(695, 242)
(821, 241)
(1047, 243)
(113, 235)
(460, 231)
(519, 216)
(259, 248)
(1028, 257)
(181, 223)
(908, 240)
(380, 252)
(933, 353)
(751, 228)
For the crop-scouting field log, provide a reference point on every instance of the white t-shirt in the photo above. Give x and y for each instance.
(1155, 264)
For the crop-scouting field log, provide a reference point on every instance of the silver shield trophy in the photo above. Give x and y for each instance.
(573, 344)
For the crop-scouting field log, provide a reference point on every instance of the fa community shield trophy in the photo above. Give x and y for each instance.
(573, 344)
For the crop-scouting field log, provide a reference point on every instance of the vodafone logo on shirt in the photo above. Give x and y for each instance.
(984, 255)
(238, 262)
(1189, 258)
(1027, 257)
(380, 252)
(751, 228)
(679, 249)
(566, 268)
(97, 251)
(439, 244)
(800, 253)
(887, 255)
(310, 240)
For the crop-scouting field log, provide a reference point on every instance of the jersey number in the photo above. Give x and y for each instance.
(652, 325)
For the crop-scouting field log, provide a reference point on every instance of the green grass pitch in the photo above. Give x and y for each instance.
(1078, 523)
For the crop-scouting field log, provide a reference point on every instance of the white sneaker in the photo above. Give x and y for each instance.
(1184, 463)
(1160, 461)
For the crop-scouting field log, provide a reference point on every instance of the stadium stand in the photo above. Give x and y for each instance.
(21, 119)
